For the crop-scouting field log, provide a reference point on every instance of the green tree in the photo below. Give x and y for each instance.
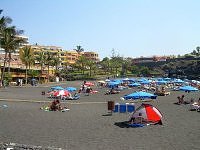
(79, 49)
(194, 52)
(4, 22)
(56, 62)
(91, 66)
(9, 42)
(75, 66)
(7, 78)
(105, 64)
(33, 73)
(116, 63)
(16, 43)
(82, 63)
(126, 64)
(26, 55)
(41, 58)
(135, 69)
(49, 61)
(198, 51)
(144, 71)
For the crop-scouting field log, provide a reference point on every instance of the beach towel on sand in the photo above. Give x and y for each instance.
(47, 108)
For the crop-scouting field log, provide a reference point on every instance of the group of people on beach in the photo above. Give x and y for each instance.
(181, 100)
(85, 89)
(193, 105)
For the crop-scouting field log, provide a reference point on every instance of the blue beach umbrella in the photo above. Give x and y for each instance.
(134, 84)
(117, 81)
(139, 95)
(57, 88)
(159, 79)
(125, 79)
(167, 79)
(145, 82)
(132, 80)
(161, 82)
(142, 79)
(71, 89)
(188, 88)
(178, 81)
(113, 84)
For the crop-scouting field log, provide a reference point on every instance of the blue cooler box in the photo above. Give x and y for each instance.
(116, 107)
(122, 108)
(130, 108)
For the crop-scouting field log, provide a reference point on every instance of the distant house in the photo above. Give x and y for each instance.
(142, 60)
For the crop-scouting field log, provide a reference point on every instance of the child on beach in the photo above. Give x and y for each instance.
(138, 119)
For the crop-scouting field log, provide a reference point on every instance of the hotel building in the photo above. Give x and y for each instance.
(65, 57)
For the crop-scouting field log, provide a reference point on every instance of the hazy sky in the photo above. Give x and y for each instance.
(132, 27)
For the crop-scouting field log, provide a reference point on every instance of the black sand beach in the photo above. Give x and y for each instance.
(87, 126)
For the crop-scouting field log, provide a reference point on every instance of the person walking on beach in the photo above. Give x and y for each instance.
(20, 82)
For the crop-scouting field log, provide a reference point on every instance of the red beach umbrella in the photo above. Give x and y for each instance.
(89, 84)
(61, 93)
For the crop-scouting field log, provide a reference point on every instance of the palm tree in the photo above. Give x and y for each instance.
(4, 21)
(74, 66)
(49, 61)
(79, 49)
(55, 62)
(26, 55)
(91, 65)
(16, 42)
(9, 42)
(82, 63)
(41, 59)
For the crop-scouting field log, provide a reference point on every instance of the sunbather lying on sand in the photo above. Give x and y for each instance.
(195, 105)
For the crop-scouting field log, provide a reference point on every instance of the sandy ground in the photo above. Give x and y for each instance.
(87, 125)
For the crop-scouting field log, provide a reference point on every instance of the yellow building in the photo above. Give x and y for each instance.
(66, 57)
(69, 57)
(53, 50)
(91, 56)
